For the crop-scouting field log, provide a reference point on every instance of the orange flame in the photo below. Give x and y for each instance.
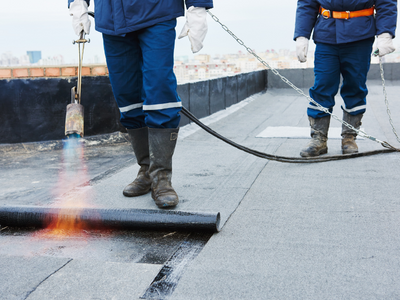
(65, 222)
(66, 219)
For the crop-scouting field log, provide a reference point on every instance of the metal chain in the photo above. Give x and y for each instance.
(284, 79)
(386, 100)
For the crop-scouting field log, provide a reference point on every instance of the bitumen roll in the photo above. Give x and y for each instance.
(102, 218)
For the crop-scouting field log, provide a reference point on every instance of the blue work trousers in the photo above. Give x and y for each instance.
(140, 66)
(352, 61)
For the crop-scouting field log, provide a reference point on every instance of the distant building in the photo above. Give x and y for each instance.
(8, 59)
(34, 56)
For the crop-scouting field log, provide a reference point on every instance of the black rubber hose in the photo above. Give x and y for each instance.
(283, 158)
(123, 219)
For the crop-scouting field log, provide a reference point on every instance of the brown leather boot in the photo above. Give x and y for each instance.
(162, 142)
(141, 185)
(319, 137)
(349, 135)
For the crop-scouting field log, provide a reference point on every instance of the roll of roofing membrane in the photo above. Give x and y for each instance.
(101, 218)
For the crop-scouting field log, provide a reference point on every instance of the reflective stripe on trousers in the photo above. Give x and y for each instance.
(140, 66)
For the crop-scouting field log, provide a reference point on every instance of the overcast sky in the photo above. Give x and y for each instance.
(45, 25)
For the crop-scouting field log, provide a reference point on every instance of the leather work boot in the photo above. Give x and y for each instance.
(141, 185)
(162, 143)
(349, 135)
(319, 136)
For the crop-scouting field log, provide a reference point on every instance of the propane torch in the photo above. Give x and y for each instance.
(74, 119)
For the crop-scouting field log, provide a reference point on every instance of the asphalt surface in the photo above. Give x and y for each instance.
(289, 231)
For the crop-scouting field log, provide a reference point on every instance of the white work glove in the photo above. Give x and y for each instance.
(195, 27)
(302, 48)
(80, 18)
(384, 44)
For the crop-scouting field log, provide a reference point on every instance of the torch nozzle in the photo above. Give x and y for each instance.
(74, 117)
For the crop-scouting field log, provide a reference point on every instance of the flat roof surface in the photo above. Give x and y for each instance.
(290, 231)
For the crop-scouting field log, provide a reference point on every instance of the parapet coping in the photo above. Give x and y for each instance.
(51, 71)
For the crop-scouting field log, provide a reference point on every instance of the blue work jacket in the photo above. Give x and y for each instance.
(339, 31)
(118, 17)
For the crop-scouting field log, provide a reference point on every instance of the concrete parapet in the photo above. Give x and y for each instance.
(33, 100)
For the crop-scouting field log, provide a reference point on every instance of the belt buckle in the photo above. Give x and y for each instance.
(329, 13)
(348, 14)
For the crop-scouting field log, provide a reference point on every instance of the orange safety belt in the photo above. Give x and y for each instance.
(326, 13)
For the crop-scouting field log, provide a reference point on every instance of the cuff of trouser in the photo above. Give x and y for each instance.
(355, 110)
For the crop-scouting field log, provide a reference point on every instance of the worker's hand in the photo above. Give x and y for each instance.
(302, 48)
(80, 18)
(195, 27)
(384, 44)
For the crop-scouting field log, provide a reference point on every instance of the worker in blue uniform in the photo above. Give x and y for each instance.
(139, 39)
(344, 33)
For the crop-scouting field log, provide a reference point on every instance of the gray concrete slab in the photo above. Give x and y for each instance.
(20, 276)
(86, 279)
(309, 231)
(297, 255)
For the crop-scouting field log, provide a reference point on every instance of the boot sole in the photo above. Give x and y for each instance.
(135, 194)
(164, 204)
(349, 152)
(307, 154)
